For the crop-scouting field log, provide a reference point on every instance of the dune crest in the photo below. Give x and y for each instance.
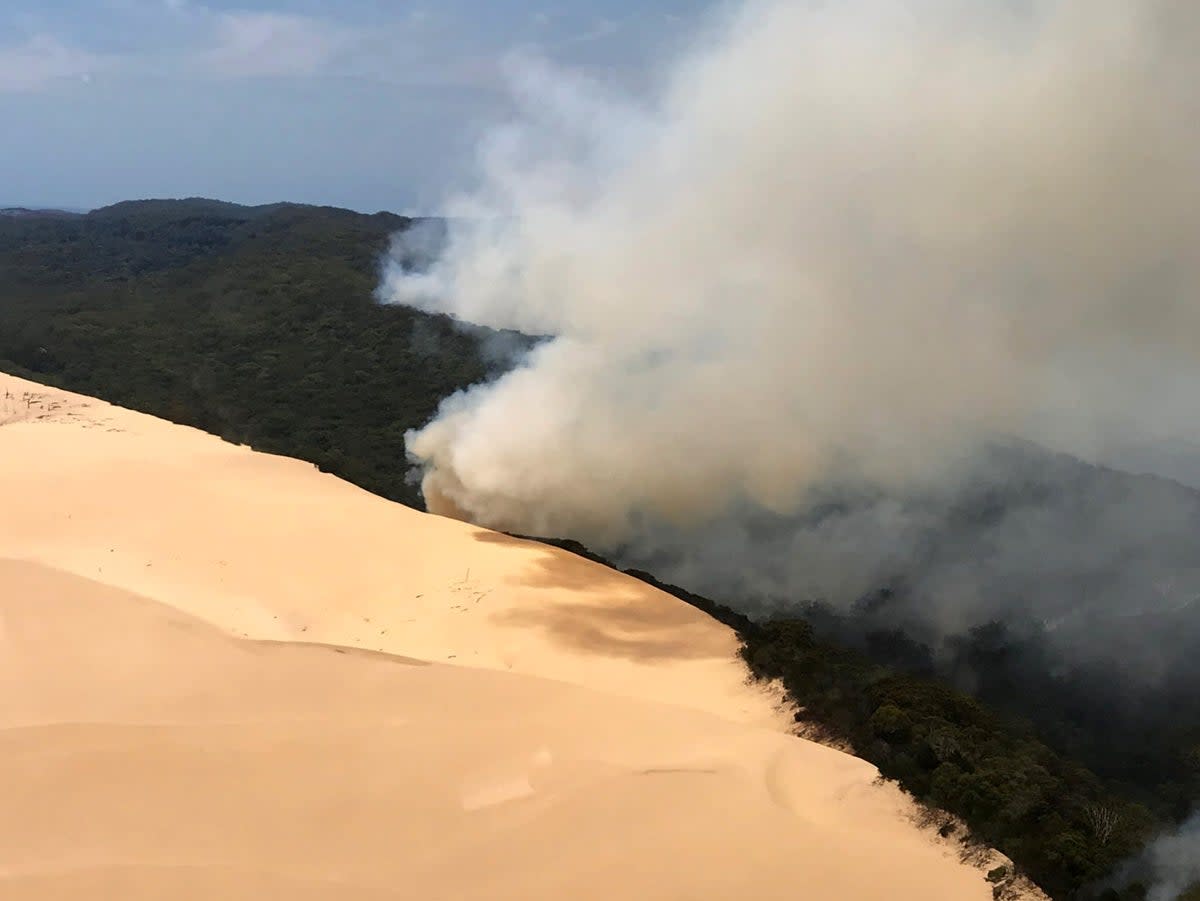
(267, 547)
(235, 684)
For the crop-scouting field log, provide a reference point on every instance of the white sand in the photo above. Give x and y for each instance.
(177, 725)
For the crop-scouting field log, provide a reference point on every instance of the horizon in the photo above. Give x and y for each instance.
(83, 211)
(358, 106)
(8, 208)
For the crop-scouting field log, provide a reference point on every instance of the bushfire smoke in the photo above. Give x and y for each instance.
(796, 298)
(847, 239)
(817, 313)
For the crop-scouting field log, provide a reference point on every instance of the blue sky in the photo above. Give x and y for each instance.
(371, 104)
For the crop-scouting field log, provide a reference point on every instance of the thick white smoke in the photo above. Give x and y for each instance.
(1174, 862)
(848, 240)
(800, 302)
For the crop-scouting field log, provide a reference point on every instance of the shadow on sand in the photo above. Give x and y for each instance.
(614, 614)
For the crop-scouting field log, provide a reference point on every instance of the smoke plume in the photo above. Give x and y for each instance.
(1172, 862)
(823, 284)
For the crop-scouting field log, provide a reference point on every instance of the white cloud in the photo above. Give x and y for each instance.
(40, 61)
(417, 46)
(264, 43)
(416, 49)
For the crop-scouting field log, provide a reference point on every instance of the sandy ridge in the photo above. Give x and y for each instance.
(168, 602)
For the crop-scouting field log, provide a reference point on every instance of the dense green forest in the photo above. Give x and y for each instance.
(260, 325)
(256, 324)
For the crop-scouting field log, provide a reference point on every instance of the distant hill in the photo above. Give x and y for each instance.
(19, 212)
(203, 206)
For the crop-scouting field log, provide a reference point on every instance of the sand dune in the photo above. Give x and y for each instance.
(234, 677)
(266, 547)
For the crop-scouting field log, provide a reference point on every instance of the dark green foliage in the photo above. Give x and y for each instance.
(1144, 743)
(1134, 892)
(257, 324)
(946, 748)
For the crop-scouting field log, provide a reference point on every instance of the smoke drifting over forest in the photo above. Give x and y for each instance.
(806, 304)
(798, 297)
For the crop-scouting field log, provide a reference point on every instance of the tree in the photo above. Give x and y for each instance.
(1103, 819)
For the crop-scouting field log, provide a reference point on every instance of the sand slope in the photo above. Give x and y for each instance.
(179, 725)
(267, 547)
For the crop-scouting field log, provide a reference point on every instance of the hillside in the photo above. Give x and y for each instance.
(242, 677)
(259, 325)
